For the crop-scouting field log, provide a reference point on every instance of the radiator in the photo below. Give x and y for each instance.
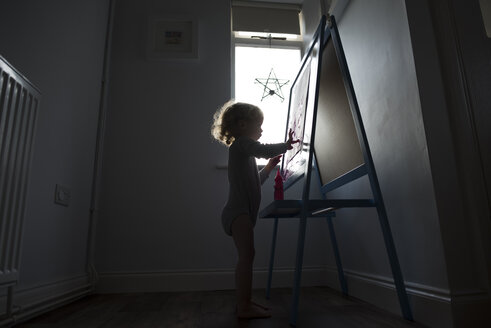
(19, 104)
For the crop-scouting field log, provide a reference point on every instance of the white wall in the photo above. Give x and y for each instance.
(59, 46)
(379, 54)
(451, 52)
(162, 194)
(157, 231)
(418, 107)
(161, 197)
(377, 44)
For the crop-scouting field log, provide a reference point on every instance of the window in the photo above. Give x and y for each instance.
(263, 77)
(266, 63)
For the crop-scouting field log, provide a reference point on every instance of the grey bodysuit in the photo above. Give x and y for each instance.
(245, 180)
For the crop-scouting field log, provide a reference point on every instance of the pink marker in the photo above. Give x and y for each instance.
(278, 186)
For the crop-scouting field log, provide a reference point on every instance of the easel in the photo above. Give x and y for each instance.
(307, 208)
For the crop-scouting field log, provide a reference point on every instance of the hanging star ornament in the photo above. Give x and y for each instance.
(272, 85)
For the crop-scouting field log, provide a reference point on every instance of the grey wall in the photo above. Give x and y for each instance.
(59, 46)
(418, 75)
(377, 43)
(453, 71)
(162, 193)
(379, 54)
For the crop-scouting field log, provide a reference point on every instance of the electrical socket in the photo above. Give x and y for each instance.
(63, 195)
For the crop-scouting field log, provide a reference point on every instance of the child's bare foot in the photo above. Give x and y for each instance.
(253, 311)
(264, 307)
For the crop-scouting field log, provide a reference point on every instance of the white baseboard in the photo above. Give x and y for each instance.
(35, 300)
(431, 306)
(202, 280)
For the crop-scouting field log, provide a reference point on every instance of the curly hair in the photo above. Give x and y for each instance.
(225, 127)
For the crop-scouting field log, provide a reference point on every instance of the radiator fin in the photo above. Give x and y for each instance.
(19, 106)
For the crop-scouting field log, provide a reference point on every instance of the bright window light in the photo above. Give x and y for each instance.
(253, 63)
(291, 37)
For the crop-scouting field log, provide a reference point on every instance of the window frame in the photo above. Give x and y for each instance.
(263, 43)
(260, 43)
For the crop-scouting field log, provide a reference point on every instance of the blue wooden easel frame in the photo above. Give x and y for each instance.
(307, 208)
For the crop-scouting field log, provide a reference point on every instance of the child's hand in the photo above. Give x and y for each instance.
(290, 140)
(273, 161)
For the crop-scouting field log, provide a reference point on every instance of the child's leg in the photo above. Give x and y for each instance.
(243, 235)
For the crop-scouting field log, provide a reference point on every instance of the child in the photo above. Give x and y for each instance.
(238, 126)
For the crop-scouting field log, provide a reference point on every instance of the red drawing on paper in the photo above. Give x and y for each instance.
(296, 122)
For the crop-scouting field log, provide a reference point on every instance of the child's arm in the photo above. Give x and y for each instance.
(253, 148)
(259, 150)
(264, 173)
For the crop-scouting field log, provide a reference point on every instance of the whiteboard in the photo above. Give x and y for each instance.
(336, 145)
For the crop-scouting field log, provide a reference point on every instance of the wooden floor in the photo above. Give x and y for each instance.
(319, 307)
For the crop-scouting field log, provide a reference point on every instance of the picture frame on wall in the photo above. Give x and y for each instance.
(172, 38)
